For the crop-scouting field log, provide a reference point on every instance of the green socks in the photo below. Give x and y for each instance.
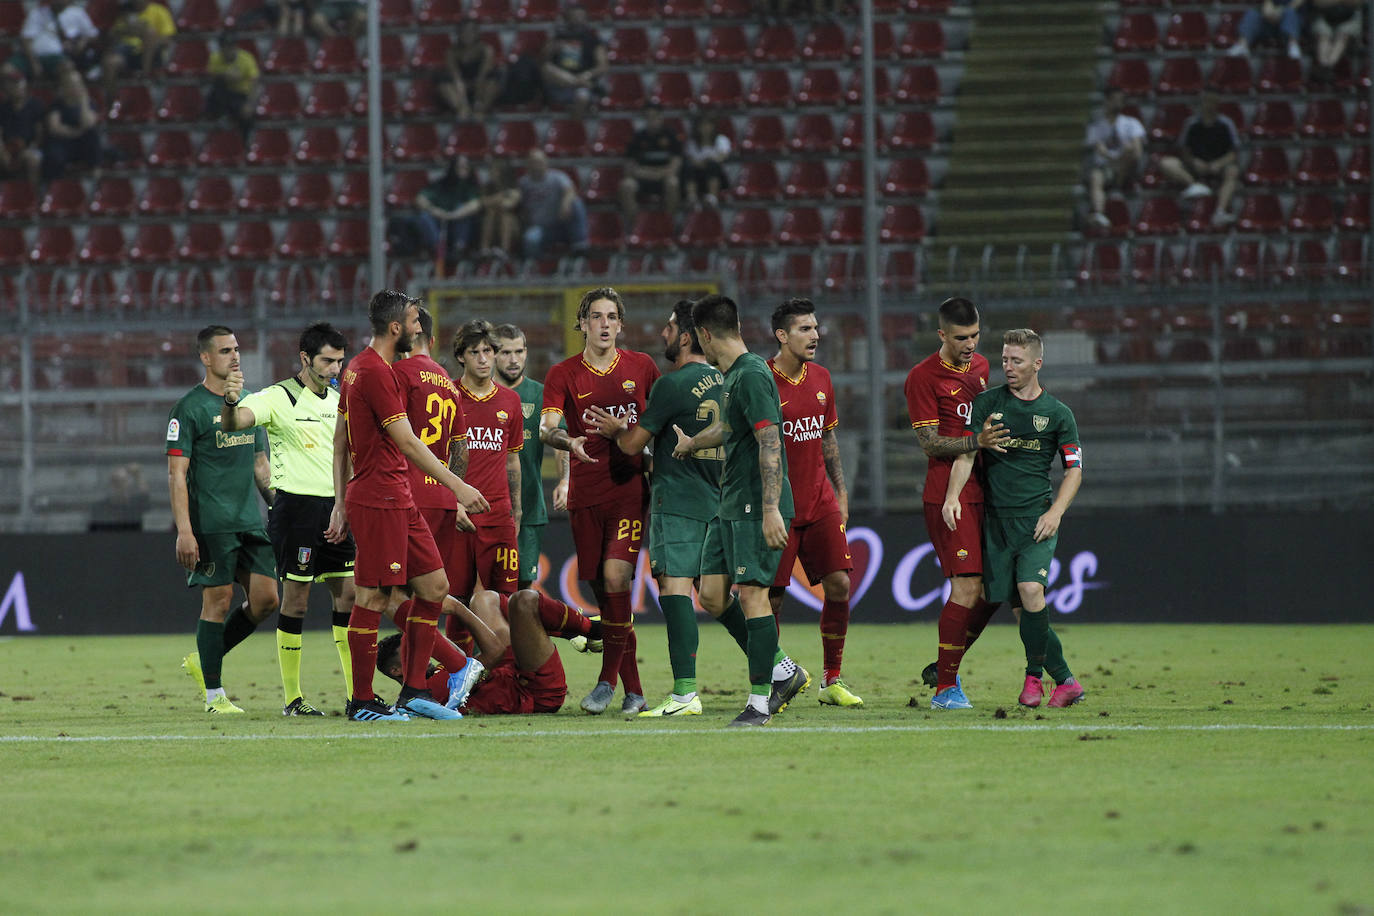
(763, 645)
(733, 620)
(1035, 636)
(210, 645)
(1054, 659)
(681, 618)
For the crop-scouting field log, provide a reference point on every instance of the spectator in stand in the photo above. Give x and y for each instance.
(72, 129)
(142, 34)
(1116, 143)
(21, 130)
(290, 16)
(449, 209)
(500, 198)
(41, 52)
(80, 37)
(1271, 20)
(471, 78)
(1335, 23)
(574, 62)
(655, 162)
(333, 18)
(234, 87)
(550, 210)
(1208, 148)
(704, 155)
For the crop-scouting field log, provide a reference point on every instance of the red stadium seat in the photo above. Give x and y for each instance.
(1233, 111)
(624, 92)
(726, 44)
(1158, 216)
(1136, 32)
(198, 16)
(1352, 261)
(171, 150)
(161, 197)
(1199, 218)
(181, 103)
(1168, 121)
(390, 106)
(527, 43)
(1230, 75)
(776, 44)
(395, 13)
(239, 9)
(1102, 265)
(605, 230)
(843, 272)
(329, 100)
(612, 136)
(884, 42)
(393, 54)
(849, 181)
(901, 273)
(537, 10)
(53, 244)
(913, 130)
(336, 54)
(1252, 260)
(703, 229)
(1151, 263)
(653, 230)
(261, 193)
(1260, 213)
(154, 244)
(355, 191)
(764, 135)
(468, 138)
(1357, 170)
(852, 135)
(751, 228)
(722, 89)
(1359, 123)
(1318, 165)
(429, 52)
(820, 87)
(923, 38)
(18, 200)
(1324, 119)
(1204, 263)
(104, 244)
(113, 197)
(757, 181)
(1268, 167)
(882, 87)
(222, 148)
(919, 83)
(303, 239)
(825, 41)
(350, 239)
(252, 242)
(636, 9)
(847, 227)
(202, 242)
(1280, 74)
(279, 102)
(190, 56)
(14, 252)
(629, 46)
(770, 88)
(514, 139)
(1307, 260)
(801, 226)
(311, 193)
(677, 44)
(807, 180)
(813, 133)
(1312, 213)
(212, 195)
(906, 177)
(684, 9)
(902, 224)
(673, 90)
(64, 199)
(566, 137)
(420, 143)
(132, 105)
(271, 146)
(603, 184)
(1131, 75)
(1273, 121)
(288, 56)
(1187, 31)
(1227, 30)
(1180, 76)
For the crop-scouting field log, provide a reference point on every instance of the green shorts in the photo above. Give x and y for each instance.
(737, 550)
(675, 545)
(223, 555)
(1011, 555)
(529, 543)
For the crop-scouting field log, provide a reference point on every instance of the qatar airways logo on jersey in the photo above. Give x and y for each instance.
(964, 409)
(627, 412)
(487, 438)
(804, 429)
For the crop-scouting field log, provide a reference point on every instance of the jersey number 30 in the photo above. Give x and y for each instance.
(441, 412)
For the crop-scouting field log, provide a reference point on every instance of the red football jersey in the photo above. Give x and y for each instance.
(370, 400)
(495, 427)
(808, 409)
(941, 395)
(570, 388)
(436, 415)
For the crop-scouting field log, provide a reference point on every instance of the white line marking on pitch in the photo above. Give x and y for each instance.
(400, 732)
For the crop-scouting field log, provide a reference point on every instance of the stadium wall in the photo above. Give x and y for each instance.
(1253, 568)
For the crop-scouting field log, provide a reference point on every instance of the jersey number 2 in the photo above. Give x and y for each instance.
(708, 412)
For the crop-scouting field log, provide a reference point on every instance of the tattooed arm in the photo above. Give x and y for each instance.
(770, 474)
(458, 457)
(993, 436)
(830, 450)
(513, 481)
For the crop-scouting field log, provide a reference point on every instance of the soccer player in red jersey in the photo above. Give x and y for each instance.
(819, 496)
(939, 395)
(395, 546)
(495, 437)
(607, 494)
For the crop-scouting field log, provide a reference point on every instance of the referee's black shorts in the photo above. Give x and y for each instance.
(296, 525)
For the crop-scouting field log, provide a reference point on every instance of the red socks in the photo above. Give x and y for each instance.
(978, 617)
(629, 666)
(954, 623)
(834, 627)
(616, 626)
(561, 620)
(421, 628)
(362, 650)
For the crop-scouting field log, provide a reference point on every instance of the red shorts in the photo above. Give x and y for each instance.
(488, 554)
(394, 545)
(510, 691)
(960, 551)
(610, 531)
(443, 524)
(821, 546)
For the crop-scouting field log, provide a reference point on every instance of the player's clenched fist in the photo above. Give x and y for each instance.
(233, 387)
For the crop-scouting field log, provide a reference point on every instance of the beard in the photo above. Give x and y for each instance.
(671, 351)
(510, 375)
(405, 343)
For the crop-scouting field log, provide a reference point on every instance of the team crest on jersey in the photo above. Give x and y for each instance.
(961, 553)
(303, 556)
(1041, 423)
(628, 385)
(526, 409)
(395, 567)
(820, 396)
(984, 382)
(173, 429)
(502, 416)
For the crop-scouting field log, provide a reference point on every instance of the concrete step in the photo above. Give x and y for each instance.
(971, 172)
(1009, 38)
(1069, 103)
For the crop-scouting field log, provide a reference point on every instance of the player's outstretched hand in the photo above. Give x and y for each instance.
(337, 532)
(578, 446)
(471, 499)
(951, 512)
(560, 495)
(188, 551)
(774, 530)
(605, 423)
(233, 386)
(993, 436)
(683, 449)
(462, 522)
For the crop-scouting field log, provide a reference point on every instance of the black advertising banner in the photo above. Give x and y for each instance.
(1253, 568)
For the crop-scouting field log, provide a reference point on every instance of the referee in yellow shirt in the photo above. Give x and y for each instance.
(299, 415)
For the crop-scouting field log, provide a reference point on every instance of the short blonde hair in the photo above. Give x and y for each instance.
(1024, 337)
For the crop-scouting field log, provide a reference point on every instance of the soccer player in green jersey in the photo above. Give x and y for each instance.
(1023, 513)
(213, 476)
(299, 415)
(745, 540)
(511, 357)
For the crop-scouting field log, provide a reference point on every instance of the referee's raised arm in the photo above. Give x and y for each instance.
(231, 416)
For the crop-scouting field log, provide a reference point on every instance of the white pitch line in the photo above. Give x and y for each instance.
(400, 732)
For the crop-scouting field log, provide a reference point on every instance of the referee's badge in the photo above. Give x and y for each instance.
(1040, 423)
(303, 556)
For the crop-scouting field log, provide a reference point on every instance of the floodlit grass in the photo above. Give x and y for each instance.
(1211, 769)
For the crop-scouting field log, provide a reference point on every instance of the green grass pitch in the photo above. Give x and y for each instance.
(1211, 769)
